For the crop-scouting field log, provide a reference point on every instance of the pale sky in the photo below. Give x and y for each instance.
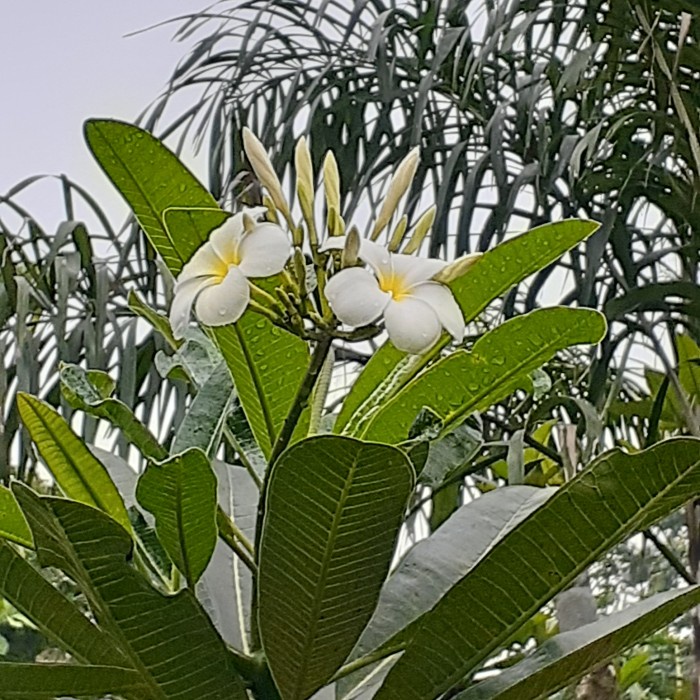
(63, 62)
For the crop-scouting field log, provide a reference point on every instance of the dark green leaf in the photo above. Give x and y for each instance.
(168, 640)
(48, 681)
(181, 494)
(334, 508)
(52, 613)
(568, 656)
(539, 558)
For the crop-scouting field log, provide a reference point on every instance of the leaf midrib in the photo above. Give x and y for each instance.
(320, 586)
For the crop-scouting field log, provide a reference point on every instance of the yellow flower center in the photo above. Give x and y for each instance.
(395, 285)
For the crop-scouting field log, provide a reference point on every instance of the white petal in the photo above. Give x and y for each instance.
(264, 251)
(185, 295)
(412, 325)
(412, 269)
(204, 263)
(332, 243)
(355, 296)
(224, 303)
(377, 257)
(225, 239)
(443, 303)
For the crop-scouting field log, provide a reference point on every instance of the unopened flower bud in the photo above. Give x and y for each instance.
(351, 249)
(421, 230)
(262, 166)
(248, 222)
(305, 178)
(398, 187)
(271, 209)
(299, 262)
(331, 182)
(456, 268)
(335, 223)
(399, 233)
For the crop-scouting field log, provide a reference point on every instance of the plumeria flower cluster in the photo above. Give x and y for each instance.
(359, 283)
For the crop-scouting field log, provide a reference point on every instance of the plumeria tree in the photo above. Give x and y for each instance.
(260, 554)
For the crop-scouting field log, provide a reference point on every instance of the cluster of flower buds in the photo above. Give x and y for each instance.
(356, 282)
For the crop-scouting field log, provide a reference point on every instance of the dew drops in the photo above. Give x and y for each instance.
(222, 311)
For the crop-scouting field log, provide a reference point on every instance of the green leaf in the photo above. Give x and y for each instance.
(206, 416)
(48, 681)
(435, 564)
(491, 275)
(334, 509)
(79, 474)
(267, 364)
(151, 179)
(159, 321)
(167, 640)
(52, 613)
(81, 393)
(689, 367)
(177, 214)
(539, 558)
(568, 656)
(181, 494)
(13, 526)
(499, 363)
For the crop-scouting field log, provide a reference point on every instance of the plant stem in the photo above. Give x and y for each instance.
(364, 661)
(235, 539)
(300, 402)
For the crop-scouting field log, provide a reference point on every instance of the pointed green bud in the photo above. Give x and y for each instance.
(335, 223)
(399, 233)
(248, 222)
(398, 187)
(456, 268)
(262, 167)
(331, 182)
(299, 262)
(425, 223)
(271, 209)
(351, 249)
(305, 172)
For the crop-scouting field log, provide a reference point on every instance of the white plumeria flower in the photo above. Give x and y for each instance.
(215, 280)
(398, 289)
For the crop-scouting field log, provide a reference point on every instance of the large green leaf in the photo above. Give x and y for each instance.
(617, 495)
(57, 617)
(177, 214)
(151, 179)
(568, 656)
(80, 392)
(438, 562)
(13, 526)
(334, 508)
(49, 681)
(181, 494)
(493, 274)
(79, 474)
(167, 640)
(499, 363)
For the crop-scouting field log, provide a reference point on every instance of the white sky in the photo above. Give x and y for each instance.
(63, 62)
